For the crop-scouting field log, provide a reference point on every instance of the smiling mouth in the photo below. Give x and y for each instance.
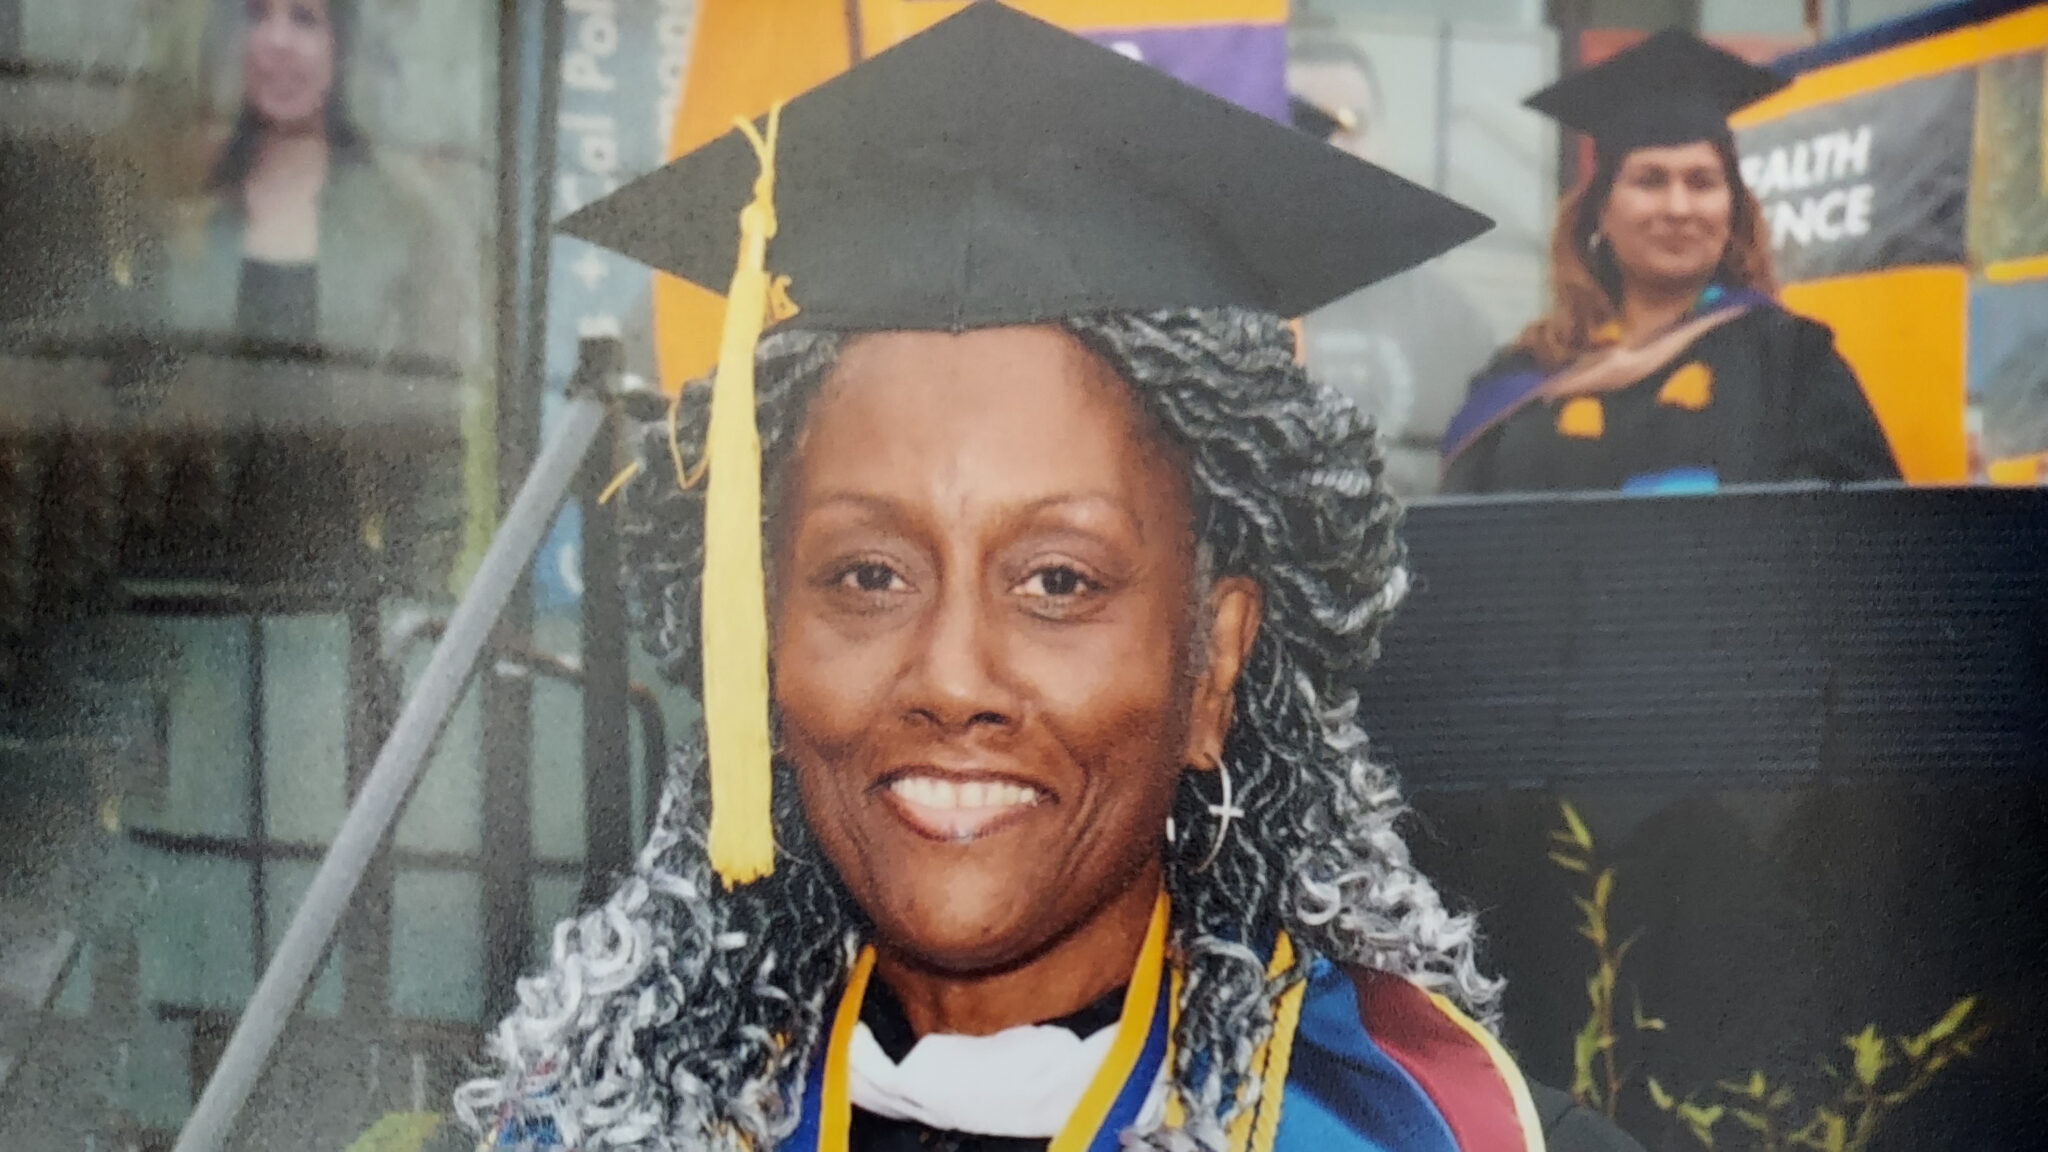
(956, 809)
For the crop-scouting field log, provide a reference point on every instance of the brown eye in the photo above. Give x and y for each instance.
(870, 577)
(1057, 582)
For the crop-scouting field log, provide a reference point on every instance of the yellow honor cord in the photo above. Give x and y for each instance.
(1133, 1027)
(735, 595)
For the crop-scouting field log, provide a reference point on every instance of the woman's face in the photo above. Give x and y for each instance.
(984, 631)
(287, 61)
(1668, 215)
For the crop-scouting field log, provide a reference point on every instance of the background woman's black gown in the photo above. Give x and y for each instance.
(1782, 406)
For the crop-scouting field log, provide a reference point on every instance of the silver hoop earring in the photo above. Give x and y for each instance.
(1225, 811)
(1593, 242)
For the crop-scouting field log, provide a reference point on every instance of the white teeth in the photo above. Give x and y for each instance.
(934, 793)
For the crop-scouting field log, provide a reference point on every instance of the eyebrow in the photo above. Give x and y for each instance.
(893, 509)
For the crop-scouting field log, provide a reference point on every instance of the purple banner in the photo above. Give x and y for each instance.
(1245, 64)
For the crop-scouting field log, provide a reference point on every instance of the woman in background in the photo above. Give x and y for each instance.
(1665, 362)
(304, 235)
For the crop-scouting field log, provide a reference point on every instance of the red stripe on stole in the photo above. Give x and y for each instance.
(1455, 1072)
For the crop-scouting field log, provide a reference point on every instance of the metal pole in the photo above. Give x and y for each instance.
(530, 79)
(608, 833)
(391, 779)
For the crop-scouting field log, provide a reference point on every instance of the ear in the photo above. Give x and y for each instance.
(1235, 604)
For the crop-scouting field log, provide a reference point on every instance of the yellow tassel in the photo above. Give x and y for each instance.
(1582, 418)
(1690, 388)
(619, 482)
(735, 609)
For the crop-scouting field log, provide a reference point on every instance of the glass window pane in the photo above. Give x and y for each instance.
(1513, 13)
(196, 941)
(305, 726)
(1748, 18)
(74, 999)
(436, 945)
(285, 883)
(80, 32)
(159, 1081)
(553, 901)
(445, 813)
(208, 711)
(557, 771)
(1864, 13)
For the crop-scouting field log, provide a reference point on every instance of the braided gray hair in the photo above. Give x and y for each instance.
(679, 1015)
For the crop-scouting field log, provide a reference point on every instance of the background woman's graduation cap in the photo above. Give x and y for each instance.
(993, 170)
(1672, 88)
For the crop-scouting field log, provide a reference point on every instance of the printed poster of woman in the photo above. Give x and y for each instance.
(317, 173)
(325, 208)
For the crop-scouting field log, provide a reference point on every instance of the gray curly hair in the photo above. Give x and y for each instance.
(679, 1015)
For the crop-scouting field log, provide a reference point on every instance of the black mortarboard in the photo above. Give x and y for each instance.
(1672, 88)
(998, 170)
(992, 170)
(1310, 118)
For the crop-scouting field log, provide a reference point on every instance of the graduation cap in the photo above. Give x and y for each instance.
(1309, 117)
(1672, 88)
(992, 170)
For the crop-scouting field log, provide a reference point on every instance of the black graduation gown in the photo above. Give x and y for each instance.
(1782, 406)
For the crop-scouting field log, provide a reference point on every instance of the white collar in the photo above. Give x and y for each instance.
(1021, 1082)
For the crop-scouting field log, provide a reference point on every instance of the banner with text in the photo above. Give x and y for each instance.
(622, 71)
(1875, 181)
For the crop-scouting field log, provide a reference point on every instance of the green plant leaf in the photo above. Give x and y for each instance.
(397, 1132)
(1569, 863)
(1576, 826)
(1834, 1131)
(1701, 1114)
(1596, 921)
(1603, 887)
(1779, 1099)
(1621, 953)
(1951, 1020)
(1646, 1023)
(1754, 1121)
(1753, 1087)
(1701, 1120)
(1585, 1046)
(1658, 1095)
(1871, 1058)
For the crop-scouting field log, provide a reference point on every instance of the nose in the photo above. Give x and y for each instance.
(955, 682)
(1679, 201)
(267, 28)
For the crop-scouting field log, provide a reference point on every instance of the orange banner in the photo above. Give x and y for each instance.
(1903, 330)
